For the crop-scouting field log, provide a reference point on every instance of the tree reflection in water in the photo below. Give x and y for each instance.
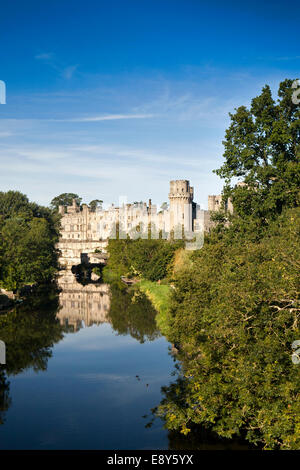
(132, 313)
(127, 309)
(29, 332)
(5, 399)
(32, 328)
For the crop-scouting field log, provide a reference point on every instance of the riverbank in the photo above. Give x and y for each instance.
(159, 295)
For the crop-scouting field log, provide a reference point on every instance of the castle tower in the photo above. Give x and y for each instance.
(181, 202)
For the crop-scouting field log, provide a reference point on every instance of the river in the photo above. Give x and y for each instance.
(85, 367)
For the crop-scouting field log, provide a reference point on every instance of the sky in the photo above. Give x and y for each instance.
(111, 99)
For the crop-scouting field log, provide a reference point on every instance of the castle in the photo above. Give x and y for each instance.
(85, 232)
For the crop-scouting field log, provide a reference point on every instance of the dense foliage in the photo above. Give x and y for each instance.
(28, 233)
(235, 309)
(65, 199)
(150, 259)
(262, 146)
(235, 316)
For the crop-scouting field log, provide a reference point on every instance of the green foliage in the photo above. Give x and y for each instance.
(235, 313)
(262, 146)
(94, 204)
(159, 295)
(27, 244)
(235, 309)
(150, 259)
(65, 199)
(97, 270)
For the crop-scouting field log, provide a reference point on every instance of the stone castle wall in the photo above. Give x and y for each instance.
(84, 232)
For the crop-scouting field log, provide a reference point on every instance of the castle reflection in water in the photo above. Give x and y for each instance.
(82, 306)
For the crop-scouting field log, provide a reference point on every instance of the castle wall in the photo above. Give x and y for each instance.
(84, 231)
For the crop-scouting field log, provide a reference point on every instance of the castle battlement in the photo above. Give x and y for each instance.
(85, 231)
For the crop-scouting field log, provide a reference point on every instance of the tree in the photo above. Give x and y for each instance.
(28, 234)
(150, 259)
(29, 253)
(12, 203)
(262, 147)
(235, 314)
(96, 203)
(235, 308)
(65, 199)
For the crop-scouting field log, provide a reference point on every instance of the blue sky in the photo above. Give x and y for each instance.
(109, 99)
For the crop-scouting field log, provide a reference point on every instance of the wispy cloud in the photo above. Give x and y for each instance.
(45, 56)
(108, 117)
(49, 58)
(68, 72)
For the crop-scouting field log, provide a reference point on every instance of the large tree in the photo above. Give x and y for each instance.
(262, 148)
(235, 309)
(28, 234)
(65, 199)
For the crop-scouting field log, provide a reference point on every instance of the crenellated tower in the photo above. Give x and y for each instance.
(181, 203)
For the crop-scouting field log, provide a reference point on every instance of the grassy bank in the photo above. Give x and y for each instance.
(159, 295)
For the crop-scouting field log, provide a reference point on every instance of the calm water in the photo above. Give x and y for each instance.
(84, 369)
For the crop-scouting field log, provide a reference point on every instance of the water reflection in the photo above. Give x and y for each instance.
(105, 371)
(82, 305)
(102, 380)
(131, 313)
(127, 310)
(5, 400)
(29, 332)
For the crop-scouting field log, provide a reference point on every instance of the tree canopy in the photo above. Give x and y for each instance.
(65, 199)
(27, 243)
(262, 147)
(235, 308)
(95, 204)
